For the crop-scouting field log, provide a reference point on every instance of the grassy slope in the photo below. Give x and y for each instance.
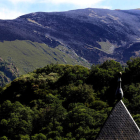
(107, 47)
(28, 56)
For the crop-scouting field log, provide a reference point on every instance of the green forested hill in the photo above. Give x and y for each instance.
(66, 102)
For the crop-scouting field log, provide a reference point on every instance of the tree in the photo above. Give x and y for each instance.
(17, 121)
(104, 79)
(39, 136)
(133, 71)
(3, 138)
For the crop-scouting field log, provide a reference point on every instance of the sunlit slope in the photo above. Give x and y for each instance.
(27, 55)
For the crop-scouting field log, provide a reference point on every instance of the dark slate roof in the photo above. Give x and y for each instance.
(119, 125)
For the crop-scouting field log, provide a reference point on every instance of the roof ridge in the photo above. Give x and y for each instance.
(130, 115)
(119, 125)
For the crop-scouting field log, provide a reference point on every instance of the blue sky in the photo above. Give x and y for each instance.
(10, 9)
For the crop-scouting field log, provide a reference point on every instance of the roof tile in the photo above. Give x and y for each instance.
(119, 125)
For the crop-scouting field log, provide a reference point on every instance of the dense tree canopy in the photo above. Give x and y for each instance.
(66, 102)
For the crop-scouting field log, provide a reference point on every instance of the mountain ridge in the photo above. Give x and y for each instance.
(92, 35)
(98, 31)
